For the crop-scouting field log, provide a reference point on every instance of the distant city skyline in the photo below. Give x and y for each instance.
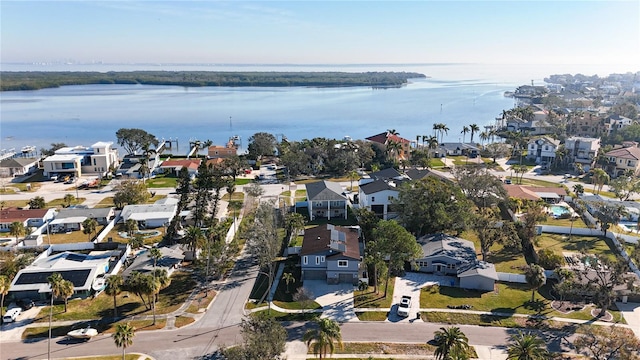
(314, 32)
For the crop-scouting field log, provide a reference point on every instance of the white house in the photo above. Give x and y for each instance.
(377, 196)
(615, 123)
(149, 215)
(542, 149)
(582, 150)
(80, 160)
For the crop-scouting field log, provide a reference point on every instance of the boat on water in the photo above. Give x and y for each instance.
(99, 284)
(86, 333)
(28, 149)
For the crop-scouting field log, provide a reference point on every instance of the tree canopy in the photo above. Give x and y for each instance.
(133, 140)
(261, 144)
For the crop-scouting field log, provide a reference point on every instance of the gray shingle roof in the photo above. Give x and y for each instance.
(376, 186)
(324, 190)
(442, 244)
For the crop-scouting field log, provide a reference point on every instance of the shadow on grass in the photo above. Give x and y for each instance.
(368, 299)
(460, 293)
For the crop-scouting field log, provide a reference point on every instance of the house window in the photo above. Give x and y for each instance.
(373, 199)
(422, 263)
(321, 259)
(451, 266)
(94, 162)
(389, 197)
(317, 260)
(343, 263)
(305, 260)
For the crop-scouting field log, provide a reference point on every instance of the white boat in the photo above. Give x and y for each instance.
(86, 333)
(99, 284)
(28, 149)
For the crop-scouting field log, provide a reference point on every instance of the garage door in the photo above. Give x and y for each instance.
(315, 275)
(346, 278)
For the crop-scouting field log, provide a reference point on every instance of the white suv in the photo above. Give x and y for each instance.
(11, 315)
(404, 306)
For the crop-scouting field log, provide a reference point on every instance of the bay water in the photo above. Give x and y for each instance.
(454, 94)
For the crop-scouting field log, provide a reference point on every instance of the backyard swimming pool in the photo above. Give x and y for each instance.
(558, 210)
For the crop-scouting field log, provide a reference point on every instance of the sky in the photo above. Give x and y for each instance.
(321, 32)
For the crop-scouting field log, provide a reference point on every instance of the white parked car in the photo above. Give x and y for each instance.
(404, 306)
(11, 315)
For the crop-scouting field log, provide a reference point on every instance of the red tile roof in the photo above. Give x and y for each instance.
(13, 214)
(630, 153)
(190, 164)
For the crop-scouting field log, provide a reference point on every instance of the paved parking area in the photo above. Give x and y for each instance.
(13, 331)
(336, 300)
(631, 313)
(410, 284)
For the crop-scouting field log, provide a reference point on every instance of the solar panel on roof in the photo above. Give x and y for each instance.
(77, 277)
(76, 257)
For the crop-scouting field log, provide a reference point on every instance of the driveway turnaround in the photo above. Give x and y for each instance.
(336, 300)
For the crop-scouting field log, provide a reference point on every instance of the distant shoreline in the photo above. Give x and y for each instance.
(35, 80)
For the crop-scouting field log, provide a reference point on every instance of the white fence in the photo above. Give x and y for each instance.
(513, 278)
(105, 231)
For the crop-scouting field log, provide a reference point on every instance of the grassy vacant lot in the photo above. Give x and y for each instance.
(162, 181)
(169, 299)
(369, 299)
(561, 243)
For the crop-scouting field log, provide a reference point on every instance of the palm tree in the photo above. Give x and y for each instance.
(113, 287)
(123, 336)
(17, 229)
(5, 284)
(451, 343)
(392, 132)
(194, 238)
(324, 337)
(484, 136)
(465, 130)
(89, 227)
(55, 281)
(527, 347)
(155, 254)
(160, 281)
(131, 226)
(599, 178)
(393, 149)
(352, 176)
(535, 277)
(578, 189)
(68, 199)
(474, 129)
(288, 278)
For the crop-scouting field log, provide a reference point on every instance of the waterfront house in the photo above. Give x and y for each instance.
(542, 150)
(18, 166)
(79, 160)
(448, 255)
(332, 253)
(174, 166)
(325, 199)
(131, 166)
(222, 152)
(458, 149)
(623, 160)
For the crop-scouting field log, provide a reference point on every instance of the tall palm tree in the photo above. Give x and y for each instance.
(451, 343)
(474, 129)
(160, 281)
(324, 337)
(527, 347)
(123, 336)
(113, 287)
(599, 178)
(194, 238)
(392, 132)
(465, 130)
(68, 199)
(155, 254)
(534, 274)
(5, 284)
(353, 175)
(484, 136)
(54, 281)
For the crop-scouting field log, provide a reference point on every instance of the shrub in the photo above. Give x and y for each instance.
(549, 260)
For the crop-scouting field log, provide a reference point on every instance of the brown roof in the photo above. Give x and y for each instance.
(632, 153)
(382, 138)
(520, 192)
(318, 239)
(13, 214)
(542, 189)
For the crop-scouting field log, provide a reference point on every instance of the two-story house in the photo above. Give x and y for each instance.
(325, 199)
(542, 149)
(582, 150)
(332, 253)
(223, 152)
(79, 160)
(622, 160)
(403, 152)
(616, 122)
(377, 196)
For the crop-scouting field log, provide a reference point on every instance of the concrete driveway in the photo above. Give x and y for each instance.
(410, 284)
(336, 300)
(631, 313)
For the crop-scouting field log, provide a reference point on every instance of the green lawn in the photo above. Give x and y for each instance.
(369, 299)
(162, 181)
(561, 243)
(578, 223)
(504, 260)
(129, 304)
(372, 315)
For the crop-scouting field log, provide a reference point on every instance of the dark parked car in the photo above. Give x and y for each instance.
(25, 304)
